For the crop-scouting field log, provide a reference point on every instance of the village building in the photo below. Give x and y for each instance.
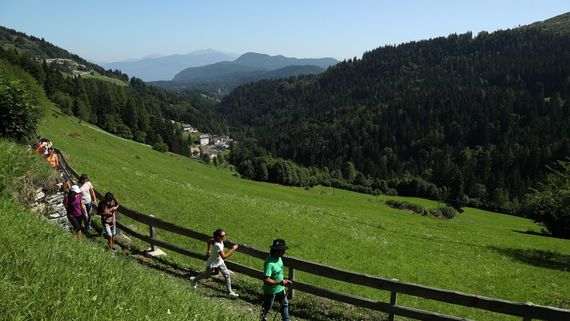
(209, 150)
(188, 128)
(204, 139)
(195, 151)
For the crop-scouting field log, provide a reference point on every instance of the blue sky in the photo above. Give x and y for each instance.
(105, 31)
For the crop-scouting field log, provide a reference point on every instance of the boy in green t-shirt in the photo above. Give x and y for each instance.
(273, 282)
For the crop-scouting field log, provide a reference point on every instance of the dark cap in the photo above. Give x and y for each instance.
(279, 244)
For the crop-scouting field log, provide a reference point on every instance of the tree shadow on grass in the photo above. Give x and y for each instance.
(529, 232)
(540, 258)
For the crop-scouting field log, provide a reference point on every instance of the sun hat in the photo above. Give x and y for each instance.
(279, 244)
(75, 189)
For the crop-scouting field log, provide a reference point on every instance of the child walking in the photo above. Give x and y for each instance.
(216, 263)
(274, 282)
(107, 209)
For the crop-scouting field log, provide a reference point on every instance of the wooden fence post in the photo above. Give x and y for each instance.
(528, 305)
(292, 278)
(393, 301)
(152, 235)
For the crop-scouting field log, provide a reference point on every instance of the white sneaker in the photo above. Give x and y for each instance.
(193, 282)
(233, 295)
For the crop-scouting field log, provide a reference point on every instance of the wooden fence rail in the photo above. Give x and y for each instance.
(527, 311)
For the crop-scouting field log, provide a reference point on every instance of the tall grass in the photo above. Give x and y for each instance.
(22, 172)
(47, 275)
(477, 252)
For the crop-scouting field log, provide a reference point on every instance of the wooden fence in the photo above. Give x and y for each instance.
(527, 311)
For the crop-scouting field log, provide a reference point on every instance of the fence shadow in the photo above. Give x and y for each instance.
(306, 307)
(540, 258)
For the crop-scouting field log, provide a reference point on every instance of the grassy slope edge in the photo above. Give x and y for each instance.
(47, 275)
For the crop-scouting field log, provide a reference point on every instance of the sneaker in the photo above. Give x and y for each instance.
(193, 282)
(233, 295)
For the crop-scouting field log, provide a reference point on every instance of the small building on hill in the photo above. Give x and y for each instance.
(204, 139)
(188, 128)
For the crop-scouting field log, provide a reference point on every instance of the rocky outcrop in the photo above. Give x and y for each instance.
(49, 203)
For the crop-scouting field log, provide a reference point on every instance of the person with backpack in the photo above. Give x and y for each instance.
(76, 212)
(215, 262)
(274, 282)
(89, 198)
(107, 209)
(53, 159)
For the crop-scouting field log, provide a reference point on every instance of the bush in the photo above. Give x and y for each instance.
(18, 116)
(20, 98)
(160, 146)
(550, 204)
(446, 212)
(406, 206)
(246, 169)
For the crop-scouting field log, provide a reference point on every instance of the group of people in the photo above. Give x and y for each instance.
(79, 204)
(273, 281)
(45, 148)
(80, 201)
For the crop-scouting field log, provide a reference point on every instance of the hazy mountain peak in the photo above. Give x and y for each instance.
(265, 61)
(165, 67)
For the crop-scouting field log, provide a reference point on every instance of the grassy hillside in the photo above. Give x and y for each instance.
(96, 75)
(477, 252)
(45, 274)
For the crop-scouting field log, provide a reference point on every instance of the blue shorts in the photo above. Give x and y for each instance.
(111, 230)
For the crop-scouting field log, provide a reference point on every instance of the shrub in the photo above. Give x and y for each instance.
(18, 116)
(20, 98)
(445, 212)
(160, 146)
(550, 204)
(406, 206)
(246, 169)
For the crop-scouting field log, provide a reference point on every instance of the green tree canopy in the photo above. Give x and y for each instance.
(550, 204)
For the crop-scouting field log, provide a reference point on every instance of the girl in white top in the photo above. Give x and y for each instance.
(88, 197)
(215, 261)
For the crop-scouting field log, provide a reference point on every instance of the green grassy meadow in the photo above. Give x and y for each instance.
(98, 76)
(46, 274)
(477, 252)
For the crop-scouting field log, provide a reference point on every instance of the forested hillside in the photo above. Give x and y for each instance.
(136, 111)
(479, 116)
(36, 48)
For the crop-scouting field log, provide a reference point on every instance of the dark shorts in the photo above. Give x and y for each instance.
(75, 222)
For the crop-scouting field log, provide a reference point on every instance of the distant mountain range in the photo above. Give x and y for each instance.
(220, 78)
(165, 67)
